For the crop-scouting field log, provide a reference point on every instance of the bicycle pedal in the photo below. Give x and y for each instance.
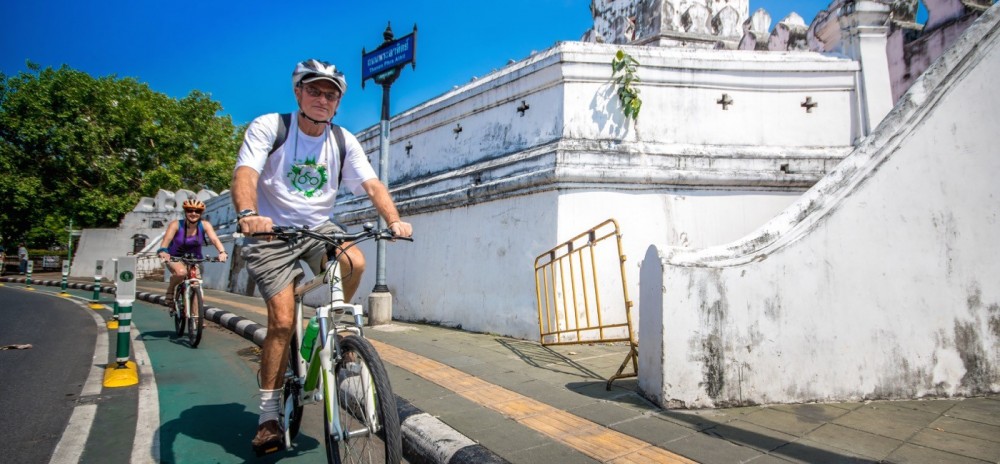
(269, 448)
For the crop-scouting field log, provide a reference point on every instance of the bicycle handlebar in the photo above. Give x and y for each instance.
(187, 259)
(292, 233)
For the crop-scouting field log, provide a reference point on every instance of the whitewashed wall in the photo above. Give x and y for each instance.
(880, 282)
(488, 199)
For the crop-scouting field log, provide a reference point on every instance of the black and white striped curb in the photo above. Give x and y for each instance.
(426, 439)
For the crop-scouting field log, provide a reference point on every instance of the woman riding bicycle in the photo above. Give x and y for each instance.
(194, 232)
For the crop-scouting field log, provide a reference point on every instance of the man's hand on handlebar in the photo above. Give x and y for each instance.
(401, 229)
(250, 225)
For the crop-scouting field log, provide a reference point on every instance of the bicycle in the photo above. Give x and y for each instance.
(189, 300)
(342, 370)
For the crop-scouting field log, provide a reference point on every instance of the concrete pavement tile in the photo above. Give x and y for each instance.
(451, 404)
(509, 437)
(913, 454)
(696, 420)
(985, 410)
(562, 375)
(958, 444)
(936, 406)
(708, 449)
(815, 411)
(858, 442)
(551, 395)
(887, 420)
(782, 421)
(412, 387)
(471, 421)
(503, 377)
(767, 459)
(459, 361)
(967, 428)
(653, 429)
(810, 452)
(604, 412)
(551, 453)
(750, 435)
(596, 389)
(850, 406)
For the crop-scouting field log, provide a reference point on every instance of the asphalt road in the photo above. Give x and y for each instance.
(40, 385)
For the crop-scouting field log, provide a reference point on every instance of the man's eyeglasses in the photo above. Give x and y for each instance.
(314, 92)
(189, 211)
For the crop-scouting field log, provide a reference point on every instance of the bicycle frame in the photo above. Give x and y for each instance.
(191, 285)
(326, 351)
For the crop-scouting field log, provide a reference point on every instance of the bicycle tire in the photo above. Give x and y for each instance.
(291, 390)
(180, 319)
(359, 402)
(196, 324)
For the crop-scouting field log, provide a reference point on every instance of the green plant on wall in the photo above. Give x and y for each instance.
(623, 68)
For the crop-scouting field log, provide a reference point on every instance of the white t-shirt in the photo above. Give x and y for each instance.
(298, 182)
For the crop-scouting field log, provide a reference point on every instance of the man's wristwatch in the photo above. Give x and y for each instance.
(245, 213)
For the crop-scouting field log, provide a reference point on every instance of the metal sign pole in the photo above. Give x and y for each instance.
(383, 65)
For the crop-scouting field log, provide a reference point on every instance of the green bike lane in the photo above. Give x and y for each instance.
(206, 397)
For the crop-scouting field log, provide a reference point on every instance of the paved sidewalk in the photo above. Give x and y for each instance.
(527, 403)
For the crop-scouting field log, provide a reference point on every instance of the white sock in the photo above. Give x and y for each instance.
(268, 405)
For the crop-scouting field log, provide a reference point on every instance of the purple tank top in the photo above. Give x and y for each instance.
(182, 244)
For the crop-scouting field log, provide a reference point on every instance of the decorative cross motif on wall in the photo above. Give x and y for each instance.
(809, 104)
(409, 146)
(457, 130)
(725, 101)
(524, 107)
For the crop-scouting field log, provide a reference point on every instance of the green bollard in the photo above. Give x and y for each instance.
(123, 372)
(65, 275)
(113, 322)
(31, 266)
(95, 302)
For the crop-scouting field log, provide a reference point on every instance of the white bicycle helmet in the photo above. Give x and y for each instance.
(314, 70)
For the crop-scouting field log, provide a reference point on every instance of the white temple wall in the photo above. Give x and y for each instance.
(879, 283)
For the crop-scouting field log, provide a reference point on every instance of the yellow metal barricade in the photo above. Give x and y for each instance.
(569, 290)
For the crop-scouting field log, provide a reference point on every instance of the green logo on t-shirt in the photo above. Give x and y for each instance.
(308, 177)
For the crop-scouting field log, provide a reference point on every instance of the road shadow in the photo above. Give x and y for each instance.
(230, 426)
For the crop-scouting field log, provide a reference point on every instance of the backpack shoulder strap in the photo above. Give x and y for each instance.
(338, 135)
(201, 230)
(284, 122)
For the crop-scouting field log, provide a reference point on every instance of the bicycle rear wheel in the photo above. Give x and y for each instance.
(196, 320)
(365, 403)
(180, 318)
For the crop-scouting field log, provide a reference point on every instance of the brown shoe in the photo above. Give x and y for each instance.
(269, 438)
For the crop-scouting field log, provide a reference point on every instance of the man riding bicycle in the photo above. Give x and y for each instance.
(295, 184)
(186, 236)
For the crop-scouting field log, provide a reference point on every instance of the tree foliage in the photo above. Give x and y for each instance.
(77, 147)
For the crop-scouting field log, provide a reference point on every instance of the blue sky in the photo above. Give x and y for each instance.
(243, 53)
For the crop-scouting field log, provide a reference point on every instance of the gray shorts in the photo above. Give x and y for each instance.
(273, 264)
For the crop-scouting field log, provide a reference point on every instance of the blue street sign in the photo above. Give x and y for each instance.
(392, 55)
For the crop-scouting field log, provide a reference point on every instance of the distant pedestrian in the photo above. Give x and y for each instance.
(22, 256)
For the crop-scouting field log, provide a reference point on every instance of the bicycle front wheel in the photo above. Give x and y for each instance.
(180, 318)
(196, 320)
(366, 407)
